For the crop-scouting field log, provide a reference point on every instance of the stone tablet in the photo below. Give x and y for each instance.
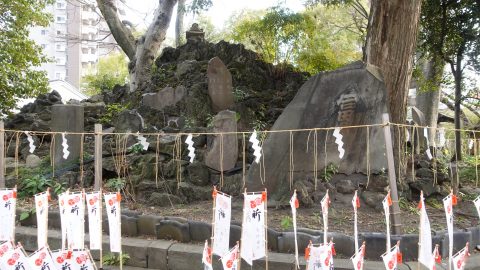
(224, 121)
(220, 87)
(350, 96)
(67, 118)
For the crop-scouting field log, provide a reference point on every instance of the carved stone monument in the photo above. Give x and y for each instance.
(67, 118)
(220, 87)
(417, 133)
(168, 96)
(353, 95)
(215, 158)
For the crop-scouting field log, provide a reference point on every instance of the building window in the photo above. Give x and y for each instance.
(59, 33)
(58, 75)
(93, 51)
(44, 46)
(84, 36)
(61, 19)
(85, 22)
(43, 32)
(84, 50)
(60, 5)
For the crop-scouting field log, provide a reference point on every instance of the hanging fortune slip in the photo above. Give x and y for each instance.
(339, 142)
(256, 146)
(30, 142)
(191, 149)
(66, 153)
(142, 141)
(253, 227)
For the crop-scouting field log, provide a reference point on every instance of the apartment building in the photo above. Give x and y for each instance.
(75, 40)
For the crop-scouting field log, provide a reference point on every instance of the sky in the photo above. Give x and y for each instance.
(141, 14)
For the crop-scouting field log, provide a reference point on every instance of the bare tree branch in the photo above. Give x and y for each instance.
(120, 32)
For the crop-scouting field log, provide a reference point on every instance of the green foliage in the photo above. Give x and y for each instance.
(30, 186)
(113, 259)
(286, 222)
(111, 70)
(315, 40)
(115, 184)
(329, 172)
(26, 214)
(112, 111)
(136, 148)
(19, 56)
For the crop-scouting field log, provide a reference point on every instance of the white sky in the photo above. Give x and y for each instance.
(141, 14)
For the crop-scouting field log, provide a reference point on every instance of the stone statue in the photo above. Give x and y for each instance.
(195, 33)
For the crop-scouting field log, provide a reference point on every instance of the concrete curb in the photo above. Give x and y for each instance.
(170, 255)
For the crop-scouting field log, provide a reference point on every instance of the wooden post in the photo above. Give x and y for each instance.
(397, 224)
(98, 156)
(2, 155)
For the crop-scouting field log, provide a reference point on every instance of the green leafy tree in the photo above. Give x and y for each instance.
(313, 41)
(451, 30)
(19, 55)
(111, 70)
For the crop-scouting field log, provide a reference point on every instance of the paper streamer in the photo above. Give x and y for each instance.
(253, 227)
(391, 258)
(94, 208)
(320, 257)
(191, 149)
(339, 142)
(425, 134)
(325, 203)
(207, 257)
(143, 142)
(407, 135)
(41, 206)
(387, 202)
(358, 258)
(470, 144)
(74, 219)
(66, 153)
(356, 205)
(15, 259)
(230, 259)
(256, 146)
(31, 142)
(476, 202)
(112, 202)
(460, 259)
(294, 204)
(448, 203)
(221, 226)
(425, 255)
(42, 259)
(8, 202)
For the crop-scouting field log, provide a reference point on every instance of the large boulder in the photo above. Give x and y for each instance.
(168, 96)
(353, 95)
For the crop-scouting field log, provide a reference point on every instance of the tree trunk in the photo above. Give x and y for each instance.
(458, 110)
(179, 34)
(428, 99)
(148, 46)
(391, 41)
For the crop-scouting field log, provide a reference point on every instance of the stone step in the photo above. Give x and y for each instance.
(170, 255)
